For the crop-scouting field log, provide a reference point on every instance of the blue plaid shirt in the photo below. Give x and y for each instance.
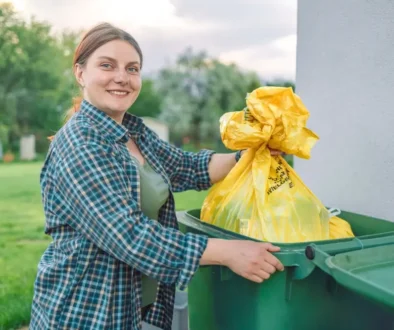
(90, 275)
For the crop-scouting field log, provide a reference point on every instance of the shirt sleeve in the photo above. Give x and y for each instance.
(187, 170)
(96, 195)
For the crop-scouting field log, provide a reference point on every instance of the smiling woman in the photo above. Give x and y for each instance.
(107, 188)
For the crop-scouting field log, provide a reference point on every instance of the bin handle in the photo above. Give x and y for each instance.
(334, 212)
(294, 261)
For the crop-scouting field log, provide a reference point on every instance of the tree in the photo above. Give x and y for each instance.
(186, 92)
(281, 83)
(198, 89)
(11, 54)
(38, 81)
(148, 103)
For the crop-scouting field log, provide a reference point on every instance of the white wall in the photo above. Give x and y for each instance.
(345, 76)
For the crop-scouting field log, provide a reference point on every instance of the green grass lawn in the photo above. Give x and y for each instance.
(22, 240)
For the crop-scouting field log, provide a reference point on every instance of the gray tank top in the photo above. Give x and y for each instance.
(153, 193)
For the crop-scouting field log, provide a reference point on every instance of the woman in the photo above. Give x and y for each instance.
(107, 189)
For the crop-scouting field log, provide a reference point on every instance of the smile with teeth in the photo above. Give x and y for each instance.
(118, 92)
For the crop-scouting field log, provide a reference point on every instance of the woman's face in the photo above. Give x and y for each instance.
(111, 78)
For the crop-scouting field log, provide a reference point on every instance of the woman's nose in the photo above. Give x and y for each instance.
(121, 77)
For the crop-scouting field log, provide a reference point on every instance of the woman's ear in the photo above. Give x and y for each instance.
(78, 72)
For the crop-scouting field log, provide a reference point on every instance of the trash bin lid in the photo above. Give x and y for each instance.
(369, 272)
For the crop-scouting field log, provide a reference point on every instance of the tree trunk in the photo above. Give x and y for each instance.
(196, 130)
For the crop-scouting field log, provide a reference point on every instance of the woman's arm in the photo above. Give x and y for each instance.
(190, 170)
(186, 170)
(221, 164)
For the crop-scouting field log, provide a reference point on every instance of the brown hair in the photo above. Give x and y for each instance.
(93, 39)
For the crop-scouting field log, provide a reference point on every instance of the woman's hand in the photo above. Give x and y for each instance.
(251, 260)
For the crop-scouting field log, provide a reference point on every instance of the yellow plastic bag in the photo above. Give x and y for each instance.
(340, 228)
(262, 197)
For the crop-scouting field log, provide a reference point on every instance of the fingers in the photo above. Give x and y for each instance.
(259, 277)
(268, 268)
(255, 278)
(272, 260)
(271, 248)
(276, 152)
(263, 274)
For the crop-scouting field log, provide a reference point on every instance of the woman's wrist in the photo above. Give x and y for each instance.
(239, 154)
(214, 253)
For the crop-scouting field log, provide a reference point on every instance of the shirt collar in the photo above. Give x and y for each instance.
(131, 124)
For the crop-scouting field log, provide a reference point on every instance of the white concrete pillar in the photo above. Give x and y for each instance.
(28, 147)
(345, 76)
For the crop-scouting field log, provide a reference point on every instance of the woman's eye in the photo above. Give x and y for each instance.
(133, 69)
(106, 65)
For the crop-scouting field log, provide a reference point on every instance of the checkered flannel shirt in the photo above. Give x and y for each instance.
(90, 275)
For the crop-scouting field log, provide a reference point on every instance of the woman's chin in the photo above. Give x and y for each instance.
(119, 106)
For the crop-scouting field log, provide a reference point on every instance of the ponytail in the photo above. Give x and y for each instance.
(70, 112)
(74, 109)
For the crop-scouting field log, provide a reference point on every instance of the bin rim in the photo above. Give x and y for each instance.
(214, 231)
(292, 254)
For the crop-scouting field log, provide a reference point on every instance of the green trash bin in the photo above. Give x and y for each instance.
(338, 284)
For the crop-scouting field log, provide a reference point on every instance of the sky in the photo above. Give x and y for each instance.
(258, 35)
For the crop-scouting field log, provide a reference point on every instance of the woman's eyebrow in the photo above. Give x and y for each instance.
(113, 60)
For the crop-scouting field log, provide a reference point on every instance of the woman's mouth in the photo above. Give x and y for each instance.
(118, 93)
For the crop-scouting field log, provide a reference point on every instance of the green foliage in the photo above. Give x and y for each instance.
(148, 103)
(281, 83)
(198, 89)
(22, 243)
(38, 80)
(4, 137)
